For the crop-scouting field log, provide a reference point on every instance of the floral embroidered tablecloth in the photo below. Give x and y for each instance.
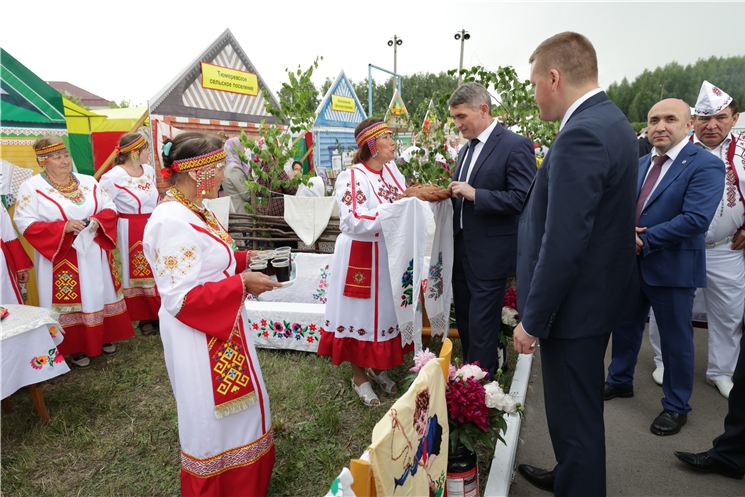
(30, 336)
(283, 325)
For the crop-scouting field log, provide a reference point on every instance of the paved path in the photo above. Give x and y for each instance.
(639, 463)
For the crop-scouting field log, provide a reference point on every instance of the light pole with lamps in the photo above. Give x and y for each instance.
(395, 42)
(461, 35)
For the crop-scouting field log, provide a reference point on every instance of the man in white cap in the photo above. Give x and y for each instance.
(716, 113)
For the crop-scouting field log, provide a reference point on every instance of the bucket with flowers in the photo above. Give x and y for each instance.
(476, 413)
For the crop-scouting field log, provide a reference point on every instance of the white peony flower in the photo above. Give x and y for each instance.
(494, 395)
(509, 316)
(509, 406)
(471, 371)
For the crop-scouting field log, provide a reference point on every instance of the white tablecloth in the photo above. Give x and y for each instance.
(284, 325)
(30, 336)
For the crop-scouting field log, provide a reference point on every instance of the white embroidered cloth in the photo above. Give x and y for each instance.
(30, 336)
(438, 291)
(310, 285)
(404, 225)
(308, 216)
(342, 485)
(284, 325)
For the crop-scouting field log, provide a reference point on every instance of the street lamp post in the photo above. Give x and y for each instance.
(395, 42)
(461, 35)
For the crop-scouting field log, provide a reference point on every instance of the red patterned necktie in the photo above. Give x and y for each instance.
(654, 174)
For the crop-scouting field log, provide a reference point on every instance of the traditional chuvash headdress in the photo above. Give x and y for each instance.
(370, 135)
(43, 154)
(133, 148)
(206, 165)
(711, 100)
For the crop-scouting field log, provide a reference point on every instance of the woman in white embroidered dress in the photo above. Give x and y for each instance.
(132, 186)
(361, 325)
(14, 261)
(79, 282)
(225, 429)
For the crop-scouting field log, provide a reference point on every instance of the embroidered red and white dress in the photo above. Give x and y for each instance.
(13, 258)
(361, 328)
(135, 199)
(227, 445)
(81, 287)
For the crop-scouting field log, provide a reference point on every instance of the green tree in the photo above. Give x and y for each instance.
(309, 94)
(676, 81)
(295, 116)
(124, 103)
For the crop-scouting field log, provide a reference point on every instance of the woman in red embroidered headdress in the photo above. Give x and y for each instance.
(132, 186)
(225, 429)
(71, 223)
(361, 325)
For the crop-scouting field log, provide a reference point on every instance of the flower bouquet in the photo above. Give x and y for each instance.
(476, 407)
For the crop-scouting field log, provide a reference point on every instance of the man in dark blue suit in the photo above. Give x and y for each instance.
(679, 189)
(489, 186)
(576, 278)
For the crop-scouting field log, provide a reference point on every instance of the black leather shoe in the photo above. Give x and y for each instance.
(668, 423)
(702, 462)
(612, 391)
(538, 477)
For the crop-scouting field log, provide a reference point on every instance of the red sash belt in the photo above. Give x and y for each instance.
(232, 387)
(359, 272)
(66, 295)
(139, 270)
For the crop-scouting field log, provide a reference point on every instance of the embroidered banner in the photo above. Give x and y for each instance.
(232, 387)
(359, 273)
(66, 285)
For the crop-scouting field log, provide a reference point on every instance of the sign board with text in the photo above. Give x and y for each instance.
(343, 104)
(232, 80)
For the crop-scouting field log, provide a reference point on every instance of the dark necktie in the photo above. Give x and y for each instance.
(467, 163)
(465, 166)
(654, 174)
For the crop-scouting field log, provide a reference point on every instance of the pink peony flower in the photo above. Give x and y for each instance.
(471, 371)
(451, 373)
(421, 358)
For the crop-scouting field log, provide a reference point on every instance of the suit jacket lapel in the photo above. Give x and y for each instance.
(684, 158)
(486, 150)
(642, 175)
(461, 157)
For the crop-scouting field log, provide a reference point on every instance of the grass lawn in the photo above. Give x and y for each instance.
(114, 427)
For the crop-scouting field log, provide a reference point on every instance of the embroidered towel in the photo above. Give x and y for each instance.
(308, 216)
(404, 225)
(439, 289)
(410, 444)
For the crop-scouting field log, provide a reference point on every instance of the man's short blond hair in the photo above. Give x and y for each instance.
(572, 54)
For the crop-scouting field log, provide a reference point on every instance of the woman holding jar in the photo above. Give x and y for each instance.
(71, 223)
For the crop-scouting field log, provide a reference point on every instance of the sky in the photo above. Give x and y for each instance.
(136, 51)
